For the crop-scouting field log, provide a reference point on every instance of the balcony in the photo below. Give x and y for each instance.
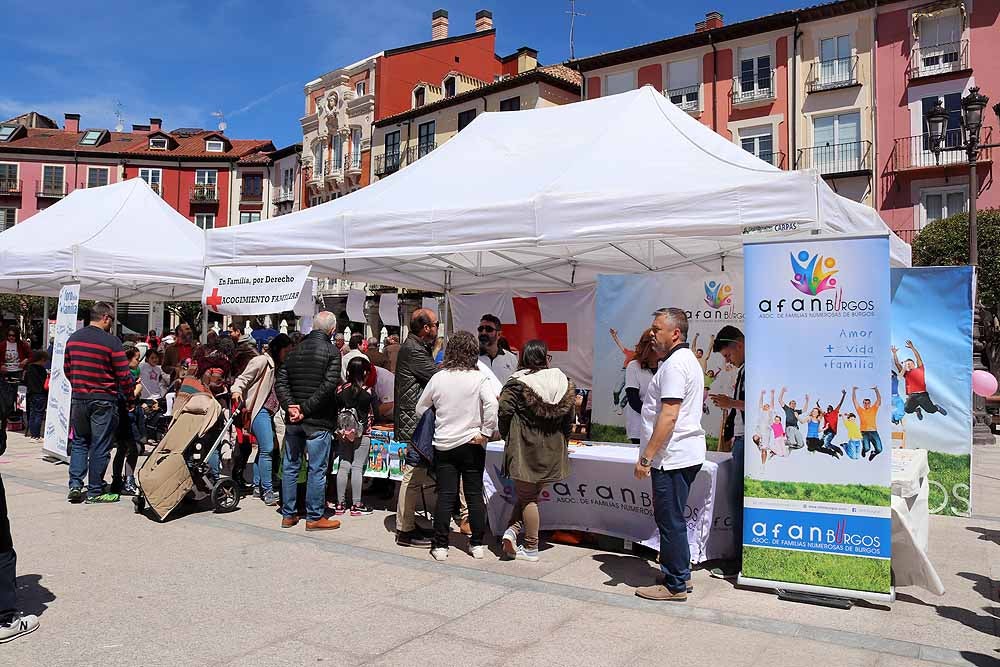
(205, 194)
(848, 159)
(686, 99)
(252, 194)
(832, 74)
(776, 159)
(155, 187)
(51, 190)
(910, 153)
(283, 195)
(907, 235)
(753, 89)
(352, 164)
(387, 164)
(10, 186)
(947, 58)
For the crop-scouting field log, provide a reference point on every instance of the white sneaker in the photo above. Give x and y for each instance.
(440, 553)
(478, 552)
(509, 543)
(524, 554)
(17, 625)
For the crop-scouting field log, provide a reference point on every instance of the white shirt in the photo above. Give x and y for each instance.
(11, 358)
(346, 359)
(465, 407)
(154, 382)
(636, 377)
(502, 366)
(385, 383)
(679, 377)
(495, 384)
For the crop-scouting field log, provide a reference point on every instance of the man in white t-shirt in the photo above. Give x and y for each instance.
(354, 351)
(672, 449)
(385, 385)
(501, 362)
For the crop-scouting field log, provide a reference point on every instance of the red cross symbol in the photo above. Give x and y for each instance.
(528, 325)
(213, 301)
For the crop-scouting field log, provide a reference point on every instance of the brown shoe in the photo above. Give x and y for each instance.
(289, 522)
(660, 593)
(323, 524)
(464, 527)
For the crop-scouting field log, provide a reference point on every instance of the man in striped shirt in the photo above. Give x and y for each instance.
(96, 367)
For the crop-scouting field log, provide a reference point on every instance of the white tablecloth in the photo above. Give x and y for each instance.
(911, 521)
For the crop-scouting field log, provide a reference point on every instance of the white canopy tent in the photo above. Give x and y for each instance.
(548, 199)
(121, 242)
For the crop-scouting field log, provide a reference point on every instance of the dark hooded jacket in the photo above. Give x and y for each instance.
(536, 417)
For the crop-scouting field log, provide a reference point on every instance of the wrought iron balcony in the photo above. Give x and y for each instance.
(775, 158)
(387, 164)
(254, 193)
(939, 59)
(837, 159)
(352, 162)
(10, 186)
(155, 187)
(756, 88)
(204, 193)
(283, 195)
(51, 190)
(832, 74)
(907, 235)
(686, 99)
(915, 152)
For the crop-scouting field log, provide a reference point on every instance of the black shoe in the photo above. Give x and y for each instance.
(412, 539)
(920, 414)
(942, 411)
(76, 496)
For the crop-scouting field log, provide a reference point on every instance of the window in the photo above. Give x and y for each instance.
(466, 117)
(953, 132)
(253, 186)
(425, 139)
(835, 60)
(90, 137)
(759, 141)
(418, 98)
(215, 146)
(392, 151)
(940, 42)
(248, 217)
(941, 203)
(356, 148)
(97, 176)
(158, 144)
(449, 87)
(6, 131)
(288, 180)
(205, 220)
(510, 104)
(683, 85)
(619, 83)
(338, 152)
(52, 180)
(359, 89)
(8, 216)
(318, 159)
(8, 178)
(755, 73)
(152, 178)
(206, 177)
(204, 185)
(836, 141)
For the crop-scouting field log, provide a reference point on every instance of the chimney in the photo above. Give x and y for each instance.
(439, 24)
(527, 59)
(713, 20)
(72, 123)
(155, 123)
(484, 20)
(140, 129)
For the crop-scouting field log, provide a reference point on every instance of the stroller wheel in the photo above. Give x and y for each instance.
(139, 504)
(225, 496)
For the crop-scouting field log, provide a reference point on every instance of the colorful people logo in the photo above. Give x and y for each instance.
(718, 294)
(813, 274)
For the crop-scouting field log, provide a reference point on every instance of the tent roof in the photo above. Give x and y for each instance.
(118, 241)
(550, 198)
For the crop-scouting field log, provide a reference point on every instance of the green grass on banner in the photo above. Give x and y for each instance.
(951, 495)
(817, 569)
(855, 494)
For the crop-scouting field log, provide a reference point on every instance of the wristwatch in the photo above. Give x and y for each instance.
(644, 462)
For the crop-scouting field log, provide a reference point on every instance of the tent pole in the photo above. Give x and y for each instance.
(447, 302)
(45, 322)
(117, 323)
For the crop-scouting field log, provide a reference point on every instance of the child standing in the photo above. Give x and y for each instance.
(35, 376)
(354, 401)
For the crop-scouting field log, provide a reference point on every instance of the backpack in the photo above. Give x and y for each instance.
(349, 429)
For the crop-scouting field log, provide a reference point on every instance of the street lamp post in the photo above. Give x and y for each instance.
(972, 122)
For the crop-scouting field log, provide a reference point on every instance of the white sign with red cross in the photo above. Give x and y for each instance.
(253, 290)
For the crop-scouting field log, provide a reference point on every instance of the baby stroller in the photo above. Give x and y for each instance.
(181, 464)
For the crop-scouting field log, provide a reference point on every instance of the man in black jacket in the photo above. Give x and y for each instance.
(306, 387)
(414, 368)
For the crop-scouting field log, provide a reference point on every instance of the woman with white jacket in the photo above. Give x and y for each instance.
(465, 417)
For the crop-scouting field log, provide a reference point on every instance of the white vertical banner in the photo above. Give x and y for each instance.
(388, 309)
(60, 391)
(430, 303)
(305, 308)
(155, 318)
(356, 306)
(564, 320)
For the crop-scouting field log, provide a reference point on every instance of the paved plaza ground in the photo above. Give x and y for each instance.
(113, 588)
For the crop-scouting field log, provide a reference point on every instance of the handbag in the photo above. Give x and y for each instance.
(421, 451)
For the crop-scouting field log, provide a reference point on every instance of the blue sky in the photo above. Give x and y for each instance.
(182, 60)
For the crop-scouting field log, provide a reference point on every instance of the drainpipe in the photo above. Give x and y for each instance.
(715, 80)
(793, 158)
(76, 169)
(874, 93)
(178, 205)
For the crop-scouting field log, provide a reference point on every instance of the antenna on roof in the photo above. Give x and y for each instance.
(572, 27)
(120, 125)
(222, 120)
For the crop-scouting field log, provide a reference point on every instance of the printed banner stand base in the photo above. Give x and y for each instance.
(815, 594)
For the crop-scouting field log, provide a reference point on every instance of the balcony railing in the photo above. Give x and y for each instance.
(847, 158)
(915, 152)
(387, 164)
(832, 74)
(283, 195)
(352, 162)
(205, 193)
(939, 59)
(906, 234)
(52, 190)
(251, 194)
(10, 186)
(391, 162)
(756, 88)
(155, 187)
(687, 98)
(422, 149)
(334, 167)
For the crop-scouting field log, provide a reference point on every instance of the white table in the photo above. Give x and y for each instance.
(911, 521)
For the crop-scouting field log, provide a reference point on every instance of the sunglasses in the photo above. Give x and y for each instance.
(487, 329)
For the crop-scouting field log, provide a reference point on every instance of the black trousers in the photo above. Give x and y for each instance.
(466, 462)
(8, 559)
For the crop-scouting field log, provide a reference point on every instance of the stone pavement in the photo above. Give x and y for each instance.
(112, 588)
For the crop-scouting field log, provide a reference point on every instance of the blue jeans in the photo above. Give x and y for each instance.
(828, 439)
(37, 404)
(94, 423)
(870, 439)
(316, 448)
(263, 430)
(670, 495)
(735, 492)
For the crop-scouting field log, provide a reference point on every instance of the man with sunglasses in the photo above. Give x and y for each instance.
(98, 371)
(501, 362)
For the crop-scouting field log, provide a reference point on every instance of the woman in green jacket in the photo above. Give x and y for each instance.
(537, 408)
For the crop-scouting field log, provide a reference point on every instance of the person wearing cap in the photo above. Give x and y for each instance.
(731, 345)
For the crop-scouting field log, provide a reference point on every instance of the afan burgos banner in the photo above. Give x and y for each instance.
(253, 290)
(818, 409)
(625, 305)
